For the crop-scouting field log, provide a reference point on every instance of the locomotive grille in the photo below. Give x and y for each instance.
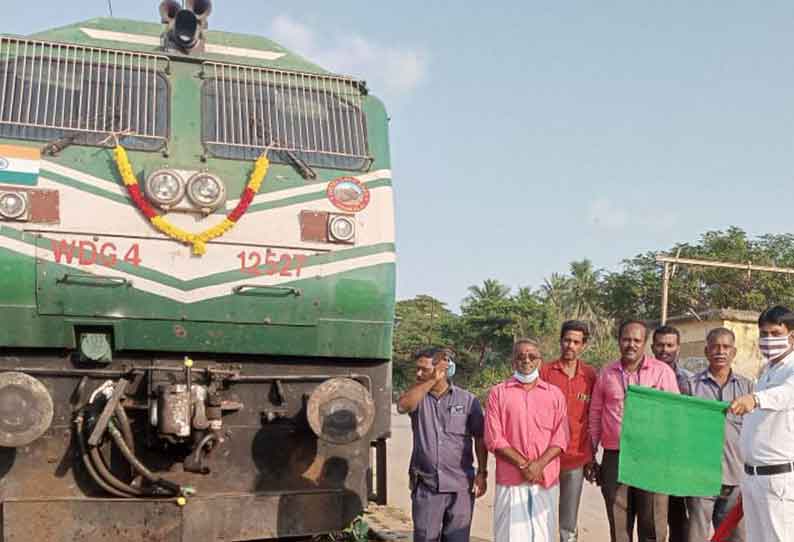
(318, 118)
(52, 90)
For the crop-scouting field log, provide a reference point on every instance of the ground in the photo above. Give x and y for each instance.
(592, 517)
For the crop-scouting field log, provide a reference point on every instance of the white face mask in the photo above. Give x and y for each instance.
(526, 378)
(772, 347)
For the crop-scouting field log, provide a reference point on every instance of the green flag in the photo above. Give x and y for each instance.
(672, 443)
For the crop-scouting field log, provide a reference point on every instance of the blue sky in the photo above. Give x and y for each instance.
(527, 135)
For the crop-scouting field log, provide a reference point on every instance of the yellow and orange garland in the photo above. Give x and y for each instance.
(196, 240)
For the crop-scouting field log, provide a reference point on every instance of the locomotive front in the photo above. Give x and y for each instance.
(197, 287)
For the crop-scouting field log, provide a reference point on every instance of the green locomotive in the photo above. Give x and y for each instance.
(197, 273)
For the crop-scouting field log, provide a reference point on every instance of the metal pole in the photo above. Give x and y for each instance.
(675, 260)
(726, 265)
(665, 290)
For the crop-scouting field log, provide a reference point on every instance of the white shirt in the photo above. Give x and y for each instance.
(767, 436)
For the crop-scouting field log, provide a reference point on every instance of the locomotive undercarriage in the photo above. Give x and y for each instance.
(159, 447)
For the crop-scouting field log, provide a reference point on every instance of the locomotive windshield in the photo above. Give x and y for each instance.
(50, 91)
(319, 119)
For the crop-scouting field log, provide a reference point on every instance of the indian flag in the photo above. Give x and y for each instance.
(19, 165)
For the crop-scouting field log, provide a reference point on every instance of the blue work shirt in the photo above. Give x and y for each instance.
(443, 428)
(703, 385)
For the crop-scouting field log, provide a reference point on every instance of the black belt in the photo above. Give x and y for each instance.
(768, 470)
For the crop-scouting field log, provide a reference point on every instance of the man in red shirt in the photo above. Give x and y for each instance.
(575, 379)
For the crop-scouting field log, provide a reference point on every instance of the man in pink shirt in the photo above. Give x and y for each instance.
(623, 502)
(526, 427)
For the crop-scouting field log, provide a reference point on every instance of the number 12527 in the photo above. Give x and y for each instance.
(271, 262)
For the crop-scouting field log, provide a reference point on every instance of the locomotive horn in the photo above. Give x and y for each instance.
(186, 29)
(186, 25)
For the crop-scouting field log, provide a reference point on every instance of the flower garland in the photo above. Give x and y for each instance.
(197, 240)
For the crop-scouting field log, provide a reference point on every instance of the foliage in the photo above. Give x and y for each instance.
(492, 315)
(357, 531)
(419, 323)
(636, 290)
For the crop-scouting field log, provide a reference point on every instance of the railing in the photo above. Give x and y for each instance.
(49, 89)
(253, 108)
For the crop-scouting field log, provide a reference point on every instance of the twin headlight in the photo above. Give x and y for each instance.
(166, 188)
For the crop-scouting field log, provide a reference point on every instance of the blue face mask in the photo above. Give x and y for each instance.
(526, 379)
(451, 369)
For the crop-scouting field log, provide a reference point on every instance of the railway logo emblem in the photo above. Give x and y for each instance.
(3, 163)
(348, 194)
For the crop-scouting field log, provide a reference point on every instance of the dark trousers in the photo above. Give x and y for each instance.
(678, 519)
(626, 504)
(441, 517)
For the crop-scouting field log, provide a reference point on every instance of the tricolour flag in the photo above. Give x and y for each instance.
(19, 165)
(672, 444)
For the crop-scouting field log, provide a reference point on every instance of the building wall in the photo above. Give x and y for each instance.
(693, 341)
(748, 357)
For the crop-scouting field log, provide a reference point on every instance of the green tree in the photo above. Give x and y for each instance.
(635, 290)
(487, 315)
(420, 323)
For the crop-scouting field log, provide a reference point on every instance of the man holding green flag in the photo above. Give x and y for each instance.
(624, 502)
(767, 439)
(719, 382)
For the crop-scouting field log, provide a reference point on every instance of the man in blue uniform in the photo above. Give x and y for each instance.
(445, 420)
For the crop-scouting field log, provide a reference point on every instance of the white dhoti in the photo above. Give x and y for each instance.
(768, 503)
(526, 513)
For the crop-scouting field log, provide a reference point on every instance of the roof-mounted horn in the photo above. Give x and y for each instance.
(185, 25)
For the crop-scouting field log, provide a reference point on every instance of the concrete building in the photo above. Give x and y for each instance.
(694, 327)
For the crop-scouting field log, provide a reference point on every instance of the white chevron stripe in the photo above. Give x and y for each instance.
(18, 246)
(310, 189)
(111, 186)
(277, 227)
(108, 186)
(208, 292)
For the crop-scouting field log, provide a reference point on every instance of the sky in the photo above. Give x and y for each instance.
(526, 135)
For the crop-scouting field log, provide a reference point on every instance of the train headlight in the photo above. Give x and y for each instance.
(342, 228)
(165, 187)
(206, 190)
(13, 205)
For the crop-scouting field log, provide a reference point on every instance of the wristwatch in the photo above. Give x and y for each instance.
(756, 401)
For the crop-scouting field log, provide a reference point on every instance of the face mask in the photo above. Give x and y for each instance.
(772, 347)
(526, 379)
(451, 368)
